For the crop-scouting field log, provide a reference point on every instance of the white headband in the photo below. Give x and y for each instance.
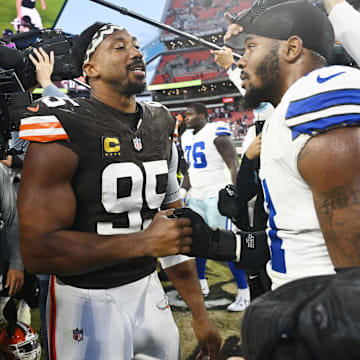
(98, 38)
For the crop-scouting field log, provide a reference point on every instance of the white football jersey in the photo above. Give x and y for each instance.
(208, 171)
(324, 99)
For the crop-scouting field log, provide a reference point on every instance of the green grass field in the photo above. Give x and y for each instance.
(221, 286)
(48, 16)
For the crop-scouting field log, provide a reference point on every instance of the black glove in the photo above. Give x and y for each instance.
(227, 203)
(249, 250)
(208, 243)
(230, 206)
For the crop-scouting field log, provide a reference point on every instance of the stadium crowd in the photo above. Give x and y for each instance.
(100, 200)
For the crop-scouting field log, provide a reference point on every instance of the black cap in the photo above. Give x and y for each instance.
(299, 18)
(311, 318)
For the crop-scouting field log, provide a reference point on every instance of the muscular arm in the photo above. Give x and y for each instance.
(345, 21)
(225, 59)
(329, 163)
(47, 208)
(186, 181)
(184, 277)
(226, 149)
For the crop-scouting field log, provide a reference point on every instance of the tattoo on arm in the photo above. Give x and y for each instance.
(338, 215)
(340, 198)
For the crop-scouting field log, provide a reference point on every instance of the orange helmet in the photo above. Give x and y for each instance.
(22, 345)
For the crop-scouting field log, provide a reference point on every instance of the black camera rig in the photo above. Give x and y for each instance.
(15, 55)
(18, 74)
(13, 101)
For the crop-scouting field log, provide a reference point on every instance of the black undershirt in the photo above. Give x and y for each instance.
(28, 4)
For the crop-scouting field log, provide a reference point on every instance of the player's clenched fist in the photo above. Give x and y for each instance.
(168, 236)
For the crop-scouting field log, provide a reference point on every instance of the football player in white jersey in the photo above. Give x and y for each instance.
(310, 145)
(210, 154)
(310, 148)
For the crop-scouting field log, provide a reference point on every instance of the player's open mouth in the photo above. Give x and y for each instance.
(138, 70)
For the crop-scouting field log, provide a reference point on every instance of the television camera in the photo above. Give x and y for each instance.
(18, 74)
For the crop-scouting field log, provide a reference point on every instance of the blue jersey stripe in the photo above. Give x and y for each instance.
(321, 125)
(223, 133)
(277, 253)
(223, 128)
(323, 101)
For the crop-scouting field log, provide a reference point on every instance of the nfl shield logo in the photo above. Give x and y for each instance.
(137, 144)
(78, 335)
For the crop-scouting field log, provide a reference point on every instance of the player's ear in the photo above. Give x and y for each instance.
(202, 116)
(293, 48)
(90, 70)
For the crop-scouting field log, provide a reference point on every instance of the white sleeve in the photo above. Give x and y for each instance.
(173, 188)
(172, 260)
(346, 22)
(234, 76)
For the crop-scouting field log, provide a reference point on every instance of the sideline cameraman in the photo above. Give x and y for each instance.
(11, 265)
(10, 252)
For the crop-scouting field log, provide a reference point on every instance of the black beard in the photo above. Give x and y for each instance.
(254, 97)
(134, 88)
(269, 72)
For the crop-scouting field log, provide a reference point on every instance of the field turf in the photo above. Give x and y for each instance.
(48, 16)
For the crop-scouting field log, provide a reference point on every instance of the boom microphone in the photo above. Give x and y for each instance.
(166, 27)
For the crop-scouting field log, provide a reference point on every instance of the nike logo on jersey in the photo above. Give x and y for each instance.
(34, 109)
(321, 80)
